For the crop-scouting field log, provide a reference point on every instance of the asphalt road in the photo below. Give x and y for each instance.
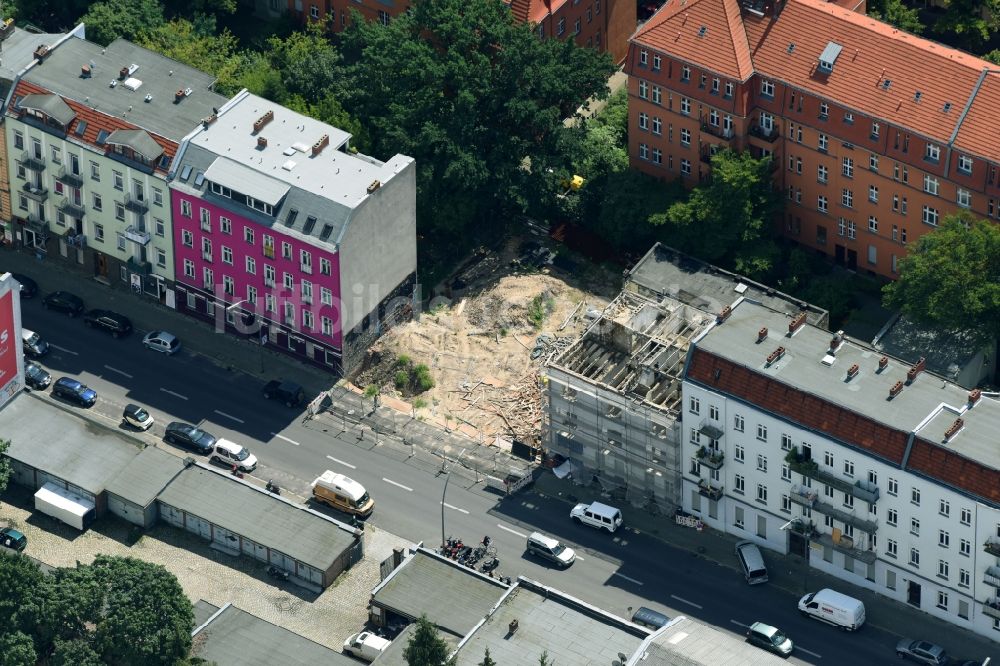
(617, 572)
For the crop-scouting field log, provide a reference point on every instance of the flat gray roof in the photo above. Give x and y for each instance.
(234, 637)
(145, 476)
(665, 271)
(571, 631)
(327, 186)
(923, 406)
(161, 77)
(453, 597)
(202, 611)
(19, 51)
(223, 500)
(685, 642)
(60, 443)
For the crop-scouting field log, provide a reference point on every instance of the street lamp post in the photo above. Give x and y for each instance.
(806, 533)
(443, 493)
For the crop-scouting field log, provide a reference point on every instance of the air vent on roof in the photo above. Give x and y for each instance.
(132, 84)
(288, 152)
(185, 172)
(886, 83)
(178, 96)
(288, 165)
(148, 98)
(113, 83)
(262, 142)
(325, 234)
(85, 71)
(102, 137)
(702, 31)
(199, 179)
(791, 47)
(829, 56)
(290, 219)
(917, 95)
(81, 127)
(131, 69)
(309, 225)
(947, 107)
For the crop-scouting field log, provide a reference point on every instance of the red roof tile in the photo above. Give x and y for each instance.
(534, 11)
(954, 470)
(677, 29)
(96, 121)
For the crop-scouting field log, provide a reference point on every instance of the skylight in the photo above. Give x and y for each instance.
(199, 179)
(102, 136)
(310, 223)
(81, 127)
(290, 219)
(185, 172)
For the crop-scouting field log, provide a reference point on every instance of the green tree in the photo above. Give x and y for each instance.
(543, 659)
(473, 96)
(970, 24)
(307, 61)
(5, 468)
(726, 219)
(894, 12)
(75, 653)
(626, 207)
(426, 647)
(951, 278)
(993, 56)
(109, 20)
(197, 45)
(487, 659)
(49, 15)
(17, 649)
(20, 582)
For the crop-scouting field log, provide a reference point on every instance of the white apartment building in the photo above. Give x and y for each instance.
(885, 475)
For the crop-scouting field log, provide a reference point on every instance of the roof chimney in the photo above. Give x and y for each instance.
(323, 142)
(883, 363)
(208, 120)
(41, 52)
(852, 371)
(123, 73)
(762, 334)
(258, 124)
(775, 355)
(724, 315)
(912, 373)
(974, 396)
(262, 142)
(895, 390)
(953, 430)
(179, 95)
(374, 186)
(796, 323)
(85, 71)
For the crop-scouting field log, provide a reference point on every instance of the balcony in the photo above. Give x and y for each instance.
(845, 545)
(710, 429)
(808, 497)
(139, 266)
(861, 490)
(136, 204)
(67, 177)
(73, 210)
(36, 192)
(711, 458)
(769, 135)
(991, 607)
(30, 161)
(992, 546)
(992, 576)
(37, 224)
(706, 489)
(137, 236)
(718, 131)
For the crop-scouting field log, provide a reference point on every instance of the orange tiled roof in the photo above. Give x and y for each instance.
(96, 121)
(872, 52)
(533, 11)
(722, 46)
(853, 429)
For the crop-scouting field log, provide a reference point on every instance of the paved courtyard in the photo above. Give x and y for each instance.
(208, 574)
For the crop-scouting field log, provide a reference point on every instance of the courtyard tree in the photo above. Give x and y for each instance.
(426, 647)
(951, 278)
(109, 20)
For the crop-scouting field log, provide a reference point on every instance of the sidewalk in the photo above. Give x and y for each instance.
(785, 572)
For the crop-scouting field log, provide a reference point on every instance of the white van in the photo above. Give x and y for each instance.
(232, 454)
(343, 493)
(366, 646)
(834, 608)
(33, 344)
(598, 515)
(751, 562)
(550, 549)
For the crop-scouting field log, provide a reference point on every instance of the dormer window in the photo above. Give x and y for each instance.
(685, 73)
(221, 190)
(932, 152)
(767, 88)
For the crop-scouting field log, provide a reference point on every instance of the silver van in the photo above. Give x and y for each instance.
(550, 549)
(751, 562)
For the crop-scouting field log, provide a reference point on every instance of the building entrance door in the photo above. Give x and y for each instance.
(839, 251)
(100, 265)
(852, 260)
(913, 594)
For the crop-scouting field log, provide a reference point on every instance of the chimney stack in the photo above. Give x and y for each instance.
(953, 430)
(895, 390)
(883, 363)
(796, 323)
(262, 142)
(853, 371)
(912, 373)
(775, 355)
(974, 396)
(323, 142)
(724, 315)
(258, 124)
(762, 334)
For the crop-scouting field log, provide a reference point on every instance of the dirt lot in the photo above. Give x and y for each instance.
(508, 312)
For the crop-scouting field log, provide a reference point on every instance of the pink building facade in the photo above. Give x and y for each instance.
(292, 288)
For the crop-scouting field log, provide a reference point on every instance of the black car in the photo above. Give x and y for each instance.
(11, 538)
(63, 301)
(74, 391)
(106, 320)
(28, 286)
(190, 437)
(36, 377)
(289, 393)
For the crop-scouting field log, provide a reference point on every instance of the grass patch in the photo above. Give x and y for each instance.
(540, 308)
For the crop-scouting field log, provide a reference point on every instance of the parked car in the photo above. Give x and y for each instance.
(365, 646)
(598, 515)
(770, 638)
(649, 618)
(32, 344)
(550, 549)
(29, 288)
(190, 437)
(63, 301)
(289, 393)
(921, 652)
(106, 320)
(162, 342)
(137, 417)
(36, 377)
(232, 454)
(11, 538)
(74, 391)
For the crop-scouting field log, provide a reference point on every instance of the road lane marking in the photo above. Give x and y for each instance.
(514, 532)
(174, 393)
(740, 624)
(341, 462)
(799, 648)
(229, 416)
(120, 372)
(685, 601)
(455, 508)
(290, 441)
(63, 349)
(398, 485)
(631, 580)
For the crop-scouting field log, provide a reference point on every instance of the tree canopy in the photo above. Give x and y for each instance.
(950, 278)
(475, 97)
(109, 20)
(426, 647)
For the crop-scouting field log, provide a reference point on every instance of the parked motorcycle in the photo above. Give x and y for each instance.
(490, 565)
(272, 487)
(275, 572)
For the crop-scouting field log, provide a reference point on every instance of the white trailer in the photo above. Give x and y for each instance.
(63, 505)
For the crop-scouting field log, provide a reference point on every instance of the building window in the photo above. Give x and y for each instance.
(964, 198)
(762, 432)
(119, 211)
(157, 197)
(208, 279)
(761, 463)
(686, 167)
(963, 578)
(786, 473)
(325, 267)
(713, 412)
(848, 167)
(561, 28)
(944, 507)
(644, 57)
(738, 423)
(685, 74)
(325, 296)
(268, 275)
(314, 12)
(786, 503)
(694, 405)
(873, 224)
(685, 137)
(738, 453)
(251, 266)
(185, 208)
(227, 255)
(383, 17)
(740, 485)
(873, 162)
(942, 597)
(307, 291)
(657, 156)
(873, 193)
(657, 60)
(307, 320)
(890, 548)
(270, 303)
(915, 496)
(206, 249)
(847, 198)
(944, 539)
(685, 104)
(658, 127)
(767, 88)
(965, 164)
(966, 518)
(914, 527)
(786, 442)
(729, 89)
(931, 185)
(160, 227)
(643, 90)
(914, 557)
(821, 204)
(98, 202)
(822, 173)
(891, 517)
(18, 140)
(327, 324)
(932, 152)
(119, 181)
(824, 110)
(187, 238)
(286, 250)
(189, 268)
(206, 219)
(161, 258)
(289, 281)
(965, 547)
(643, 151)
(228, 285)
(762, 493)
(893, 487)
(875, 130)
(643, 121)
(225, 225)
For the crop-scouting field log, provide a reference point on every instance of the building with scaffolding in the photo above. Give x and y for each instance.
(612, 400)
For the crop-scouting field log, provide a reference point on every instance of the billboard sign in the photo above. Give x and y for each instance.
(11, 357)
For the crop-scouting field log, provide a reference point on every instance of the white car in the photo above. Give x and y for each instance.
(366, 646)
(137, 417)
(231, 454)
(162, 342)
(598, 515)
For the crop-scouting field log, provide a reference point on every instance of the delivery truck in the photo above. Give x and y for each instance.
(63, 505)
